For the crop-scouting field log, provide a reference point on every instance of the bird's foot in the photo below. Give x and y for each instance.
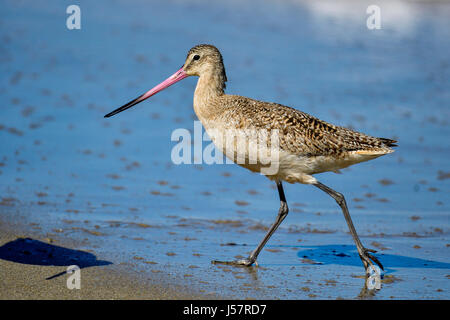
(238, 263)
(369, 259)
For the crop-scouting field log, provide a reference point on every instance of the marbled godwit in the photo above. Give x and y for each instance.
(307, 145)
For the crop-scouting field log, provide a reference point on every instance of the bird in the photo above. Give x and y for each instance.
(305, 144)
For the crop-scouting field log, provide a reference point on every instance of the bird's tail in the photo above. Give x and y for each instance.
(389, 142)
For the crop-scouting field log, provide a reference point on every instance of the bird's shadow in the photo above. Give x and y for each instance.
(347, 255)
(35, 252)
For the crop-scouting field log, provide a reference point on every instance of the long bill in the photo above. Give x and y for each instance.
(177, 76)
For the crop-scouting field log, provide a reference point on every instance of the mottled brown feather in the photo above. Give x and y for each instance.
(299, 132)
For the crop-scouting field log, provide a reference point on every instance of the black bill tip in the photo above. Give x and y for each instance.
(124, 107)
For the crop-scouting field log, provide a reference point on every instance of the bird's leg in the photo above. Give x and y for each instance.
(363, 252)
(282, 213)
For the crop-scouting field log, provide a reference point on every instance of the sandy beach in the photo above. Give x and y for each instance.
(34, 278)
(106, 195)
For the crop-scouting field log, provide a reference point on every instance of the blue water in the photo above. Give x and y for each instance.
(64, 167)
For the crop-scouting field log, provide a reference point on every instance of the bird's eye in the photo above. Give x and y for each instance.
(196, 57)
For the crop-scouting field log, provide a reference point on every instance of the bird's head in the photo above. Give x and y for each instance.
(201, 60)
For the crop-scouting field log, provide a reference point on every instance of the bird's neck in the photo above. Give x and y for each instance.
(209, 88)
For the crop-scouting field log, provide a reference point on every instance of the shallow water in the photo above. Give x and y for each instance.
(67, 171)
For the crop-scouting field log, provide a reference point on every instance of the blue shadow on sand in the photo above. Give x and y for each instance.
(347, 255)
(30, 251)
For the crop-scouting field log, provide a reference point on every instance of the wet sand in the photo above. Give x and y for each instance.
(29, 274)
(108, 187)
